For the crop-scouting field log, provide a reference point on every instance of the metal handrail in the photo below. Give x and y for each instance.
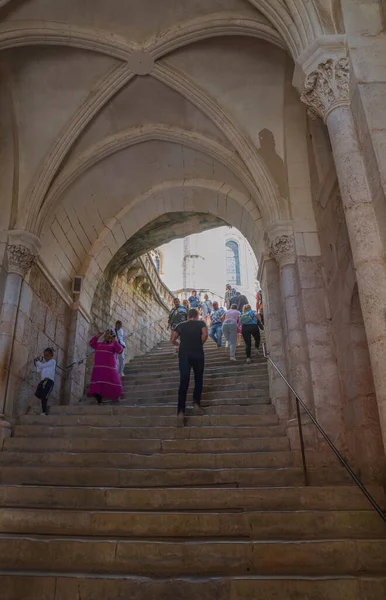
(343, 461)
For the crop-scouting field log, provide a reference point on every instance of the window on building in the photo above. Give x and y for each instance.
(233, 263)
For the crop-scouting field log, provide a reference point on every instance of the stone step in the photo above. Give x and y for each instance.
(114, 477)
(211, 355)
(156, 421)
(171, 400)
(245, 372)
(222, 364)
(209, 350)
(69, 586)
(209, 557)
(158, 410)
(214, 385)
(258, 392)
(266, 444)
(342, 498)
(119, 431)
(175, 460)
(256, 525)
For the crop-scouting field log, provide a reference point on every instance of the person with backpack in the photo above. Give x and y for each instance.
(177, 315)
(250, 327)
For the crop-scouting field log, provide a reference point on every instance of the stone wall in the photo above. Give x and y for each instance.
(359, 412)
(137, 297)
(42, 322)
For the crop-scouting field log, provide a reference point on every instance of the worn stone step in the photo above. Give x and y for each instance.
(206, 401)
(220, 364)
(212, 385)
(119, 431)
(211, 372)
(249, 373)
(255, 392)
(257, 362)
(245, 372)
(168, 558)
(50, 586)
(160, 410)
(342, 498)
(219, 355)
(256, 525)
(175, 460)
(266, 444)
(258, 392)
(114, 477)
(156, 421)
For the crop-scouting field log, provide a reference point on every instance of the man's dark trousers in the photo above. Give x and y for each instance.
(186, 363)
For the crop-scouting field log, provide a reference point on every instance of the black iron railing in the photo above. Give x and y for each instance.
(342, 460)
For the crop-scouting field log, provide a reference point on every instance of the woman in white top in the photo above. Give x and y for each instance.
(120, 338)
(229, 328)
(46, 367)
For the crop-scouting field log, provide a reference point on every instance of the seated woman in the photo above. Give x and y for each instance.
(105, 379)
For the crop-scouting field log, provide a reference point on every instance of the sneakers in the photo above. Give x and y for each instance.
(233, 359)
(197, 409)
(180, 419)
(248, 361)
(43, 414)
(226, 345)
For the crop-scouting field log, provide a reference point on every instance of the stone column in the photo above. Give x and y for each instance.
(327, 95)
(269, 276)
(22, 251)
(282, 248)
(78, 347)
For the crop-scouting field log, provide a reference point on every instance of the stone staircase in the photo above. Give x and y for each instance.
(116, 502)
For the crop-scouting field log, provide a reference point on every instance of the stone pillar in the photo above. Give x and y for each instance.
(78, 347)
(282, 248)
(269, 276)
(22, 251)
(327, 95)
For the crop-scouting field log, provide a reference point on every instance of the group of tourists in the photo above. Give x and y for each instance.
(189, 333)
(232, 321)
(191, 323)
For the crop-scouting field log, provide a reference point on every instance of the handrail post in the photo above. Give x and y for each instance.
(302, 450)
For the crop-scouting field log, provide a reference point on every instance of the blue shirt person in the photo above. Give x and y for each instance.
(215, 331)
(194, 300)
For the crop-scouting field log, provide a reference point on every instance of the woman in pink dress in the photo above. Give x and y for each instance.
(105, 379)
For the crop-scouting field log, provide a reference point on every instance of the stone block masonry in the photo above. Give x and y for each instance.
(43, 321)
(137, 297)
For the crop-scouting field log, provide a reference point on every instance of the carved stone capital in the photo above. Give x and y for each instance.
(327, 88)
(22, 251)
(282, 249)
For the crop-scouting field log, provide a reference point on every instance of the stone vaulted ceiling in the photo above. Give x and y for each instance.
(114, 113)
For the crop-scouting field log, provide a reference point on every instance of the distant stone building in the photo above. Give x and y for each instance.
(207, 261)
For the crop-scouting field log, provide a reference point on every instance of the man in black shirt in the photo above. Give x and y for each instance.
(193, 334)
(240, 300)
